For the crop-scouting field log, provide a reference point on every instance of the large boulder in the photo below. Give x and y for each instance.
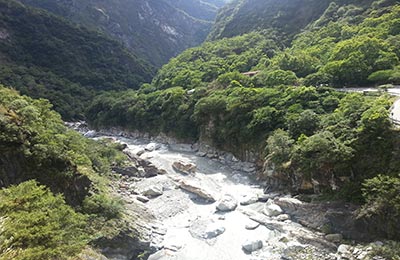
(227, 203)
(195, 189)
(213, 230)
(272, 210)
(184, 167)
(152, 146)
(289, 204)
(90, 134)
(252, 245)
(153, 191)
(248, 199)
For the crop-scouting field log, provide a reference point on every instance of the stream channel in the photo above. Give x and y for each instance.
(248, 226)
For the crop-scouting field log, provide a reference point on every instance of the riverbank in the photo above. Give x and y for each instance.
(179, 216)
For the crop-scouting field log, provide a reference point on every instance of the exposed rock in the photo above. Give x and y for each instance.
(140, 152)
(128, 170)
(259, 218)
(193, 188)
(201, 154)
(271, 209)
(344, 252)
(90, 134)
(152, 191)
(248, 199)
(152, 146)
(252, 245)
(142, 198)
(343, 249)
(204, 228)
(179, 147)
(162, 254)
(289, 204)
(90, 254)
(283, 217)
(183, 167)
(191, 91)
(160, 231)
(213, 230)
(252, 225)
(335, 238)
(227, 203)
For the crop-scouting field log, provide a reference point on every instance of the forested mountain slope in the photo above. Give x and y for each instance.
(308, 137)
(45, 56)
(156, 30)
(283, 18)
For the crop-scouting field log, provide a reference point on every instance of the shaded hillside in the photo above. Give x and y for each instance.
(45, 56)
(155, 30)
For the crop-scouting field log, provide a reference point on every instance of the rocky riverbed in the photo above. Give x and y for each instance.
(190, 205)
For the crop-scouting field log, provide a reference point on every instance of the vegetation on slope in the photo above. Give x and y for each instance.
(312, 137)
(35, 145)
(345, 47)
(154, 30)
(44, 56)
(38, 225)
(285, 18)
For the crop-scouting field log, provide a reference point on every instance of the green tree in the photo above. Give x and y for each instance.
(38, 225)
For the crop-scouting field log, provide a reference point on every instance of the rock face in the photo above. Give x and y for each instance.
(333, 217)
(193, 188)
(271, 209)
(183, 167)
(227, 203)
(252, 245)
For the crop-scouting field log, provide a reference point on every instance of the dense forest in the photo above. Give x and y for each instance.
(153, 30)
(45, 56)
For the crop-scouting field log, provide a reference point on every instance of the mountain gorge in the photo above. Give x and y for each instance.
(153, 30)
(303, 134)
(249, 83)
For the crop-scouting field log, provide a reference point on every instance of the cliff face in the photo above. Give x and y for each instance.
(155, 30)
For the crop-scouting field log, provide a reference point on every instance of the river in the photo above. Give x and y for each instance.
(190, 228)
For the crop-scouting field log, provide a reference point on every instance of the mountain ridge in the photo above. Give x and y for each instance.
(154, 30)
